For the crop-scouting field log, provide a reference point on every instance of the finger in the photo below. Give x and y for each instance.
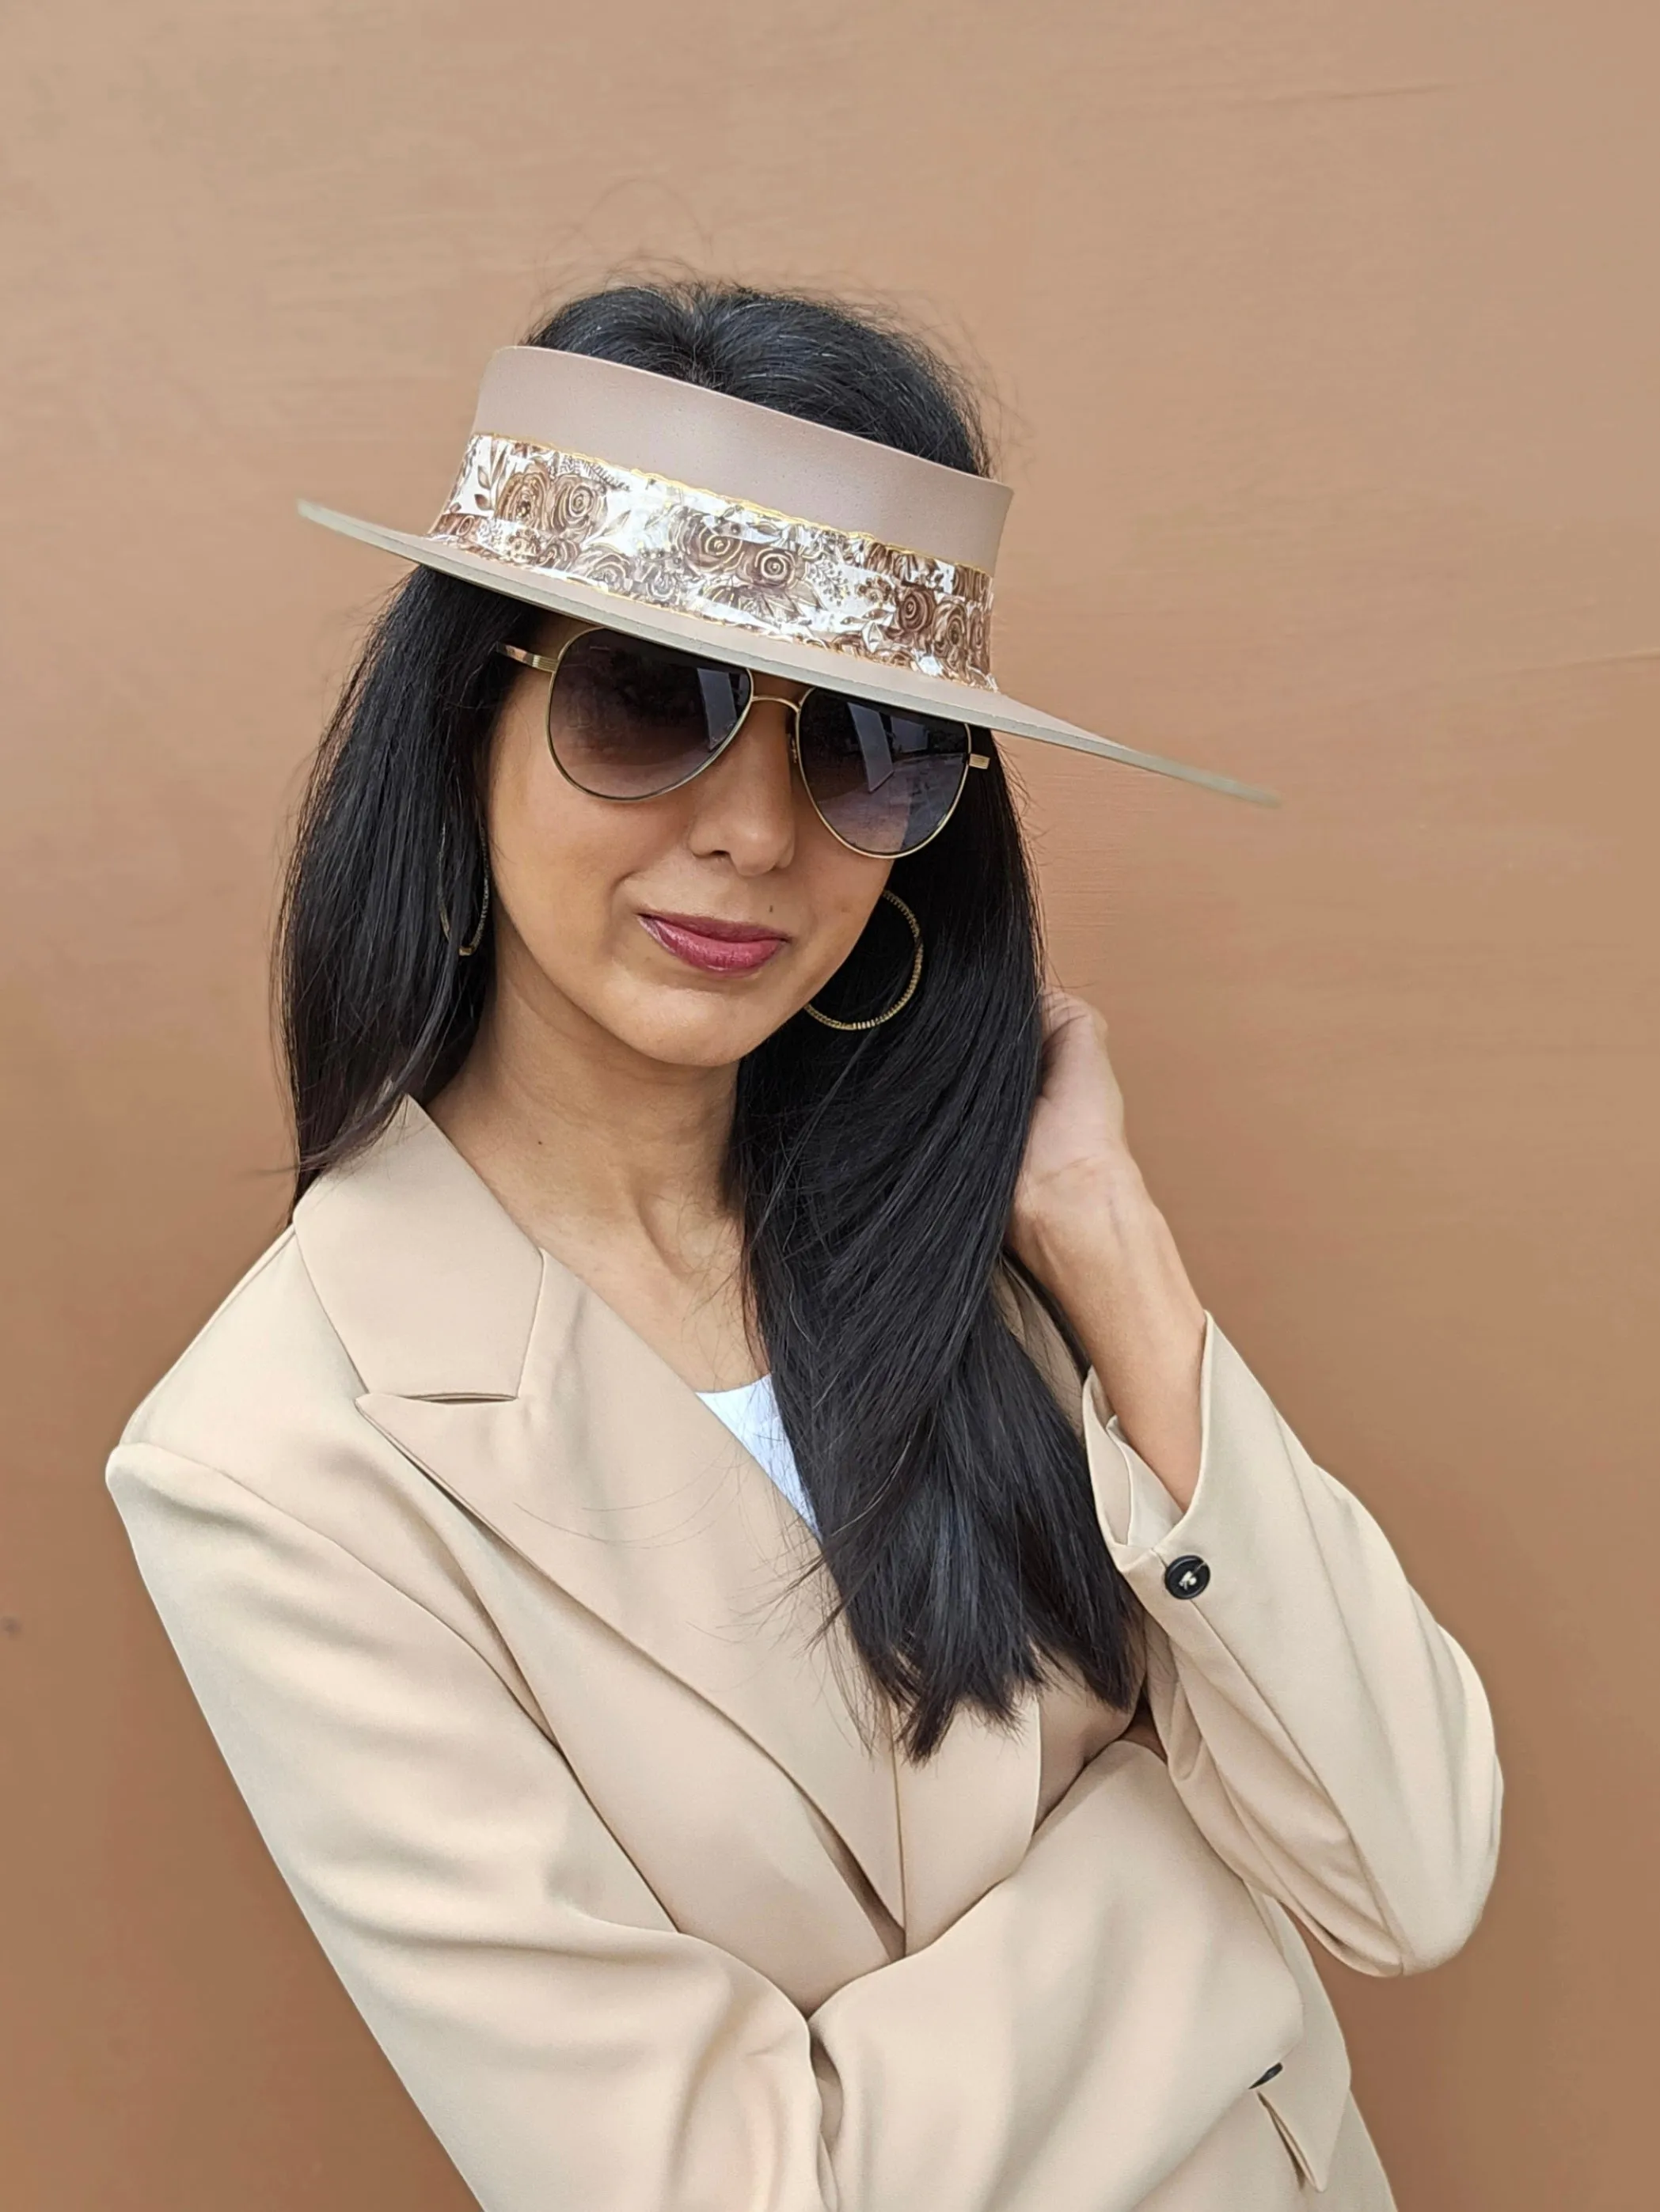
(1062, 1008)
(1060, 1011)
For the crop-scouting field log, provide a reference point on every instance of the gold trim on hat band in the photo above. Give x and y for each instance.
(667, 544)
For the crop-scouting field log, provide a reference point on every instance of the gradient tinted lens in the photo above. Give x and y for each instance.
(883, 778)
(627, 719)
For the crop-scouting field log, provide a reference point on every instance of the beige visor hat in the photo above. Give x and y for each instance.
(678, 514)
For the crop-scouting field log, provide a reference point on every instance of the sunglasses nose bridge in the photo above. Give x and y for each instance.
(792, 708)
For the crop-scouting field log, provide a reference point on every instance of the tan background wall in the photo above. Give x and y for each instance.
(1330, 346)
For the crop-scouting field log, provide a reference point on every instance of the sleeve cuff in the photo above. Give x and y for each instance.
(1152, 1511)
(1136, 1509)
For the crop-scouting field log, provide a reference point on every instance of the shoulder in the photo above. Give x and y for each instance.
(266, 1356)
(262, 1507)
(400, 1274)
(260, 1414)
(251, 1457)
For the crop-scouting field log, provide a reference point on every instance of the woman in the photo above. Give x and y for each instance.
(786, 1659)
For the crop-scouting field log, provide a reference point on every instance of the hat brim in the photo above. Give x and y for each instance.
(886, 685)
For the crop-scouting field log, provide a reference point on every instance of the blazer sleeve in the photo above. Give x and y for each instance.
(1330, 1739)
(1061, 2048)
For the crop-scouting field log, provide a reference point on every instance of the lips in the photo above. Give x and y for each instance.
(718, 948)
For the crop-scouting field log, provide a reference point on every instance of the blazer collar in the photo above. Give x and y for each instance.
(531, 1402)
(430, 1285)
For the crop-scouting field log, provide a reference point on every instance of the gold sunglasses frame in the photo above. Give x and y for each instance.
(548, 665)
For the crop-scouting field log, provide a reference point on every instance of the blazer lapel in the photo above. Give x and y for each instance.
(528, 1400)
(611, 1477)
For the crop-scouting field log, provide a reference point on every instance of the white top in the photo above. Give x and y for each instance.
(751, 1411)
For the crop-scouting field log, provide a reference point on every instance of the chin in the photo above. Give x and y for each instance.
(711, 1035)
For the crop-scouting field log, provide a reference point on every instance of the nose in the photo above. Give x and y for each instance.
(745, 805)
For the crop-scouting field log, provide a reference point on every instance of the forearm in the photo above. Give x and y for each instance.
(1076, 2034)
(1330, 1738)
(1106, 1253)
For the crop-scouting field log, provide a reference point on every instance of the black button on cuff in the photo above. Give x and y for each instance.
(1187, 1577)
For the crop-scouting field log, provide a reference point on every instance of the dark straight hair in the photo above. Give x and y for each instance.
(874, 1173)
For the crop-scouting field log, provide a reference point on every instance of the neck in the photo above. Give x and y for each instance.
(582, 1137)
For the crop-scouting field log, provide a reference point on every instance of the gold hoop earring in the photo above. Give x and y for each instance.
(462, 951)
(905, 996)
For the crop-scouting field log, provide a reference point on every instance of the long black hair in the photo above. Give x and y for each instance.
(874, 1173)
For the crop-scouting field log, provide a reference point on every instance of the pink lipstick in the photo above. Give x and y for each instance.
(719, 948)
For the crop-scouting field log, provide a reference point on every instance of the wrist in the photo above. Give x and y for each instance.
(1105, 1252)
(1107, 1255)
(1083, 1214)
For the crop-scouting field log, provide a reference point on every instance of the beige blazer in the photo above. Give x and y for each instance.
(492, 1620)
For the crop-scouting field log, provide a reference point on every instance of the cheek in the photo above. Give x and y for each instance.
(843, 890)
(559, 857)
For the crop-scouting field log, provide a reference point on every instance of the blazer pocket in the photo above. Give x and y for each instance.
(1300, 2147)
(1307, 2093)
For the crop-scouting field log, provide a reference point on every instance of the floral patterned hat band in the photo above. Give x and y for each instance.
(705, 553)
(653, 506)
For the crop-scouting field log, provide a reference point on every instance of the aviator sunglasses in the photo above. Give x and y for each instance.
(630, 719)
